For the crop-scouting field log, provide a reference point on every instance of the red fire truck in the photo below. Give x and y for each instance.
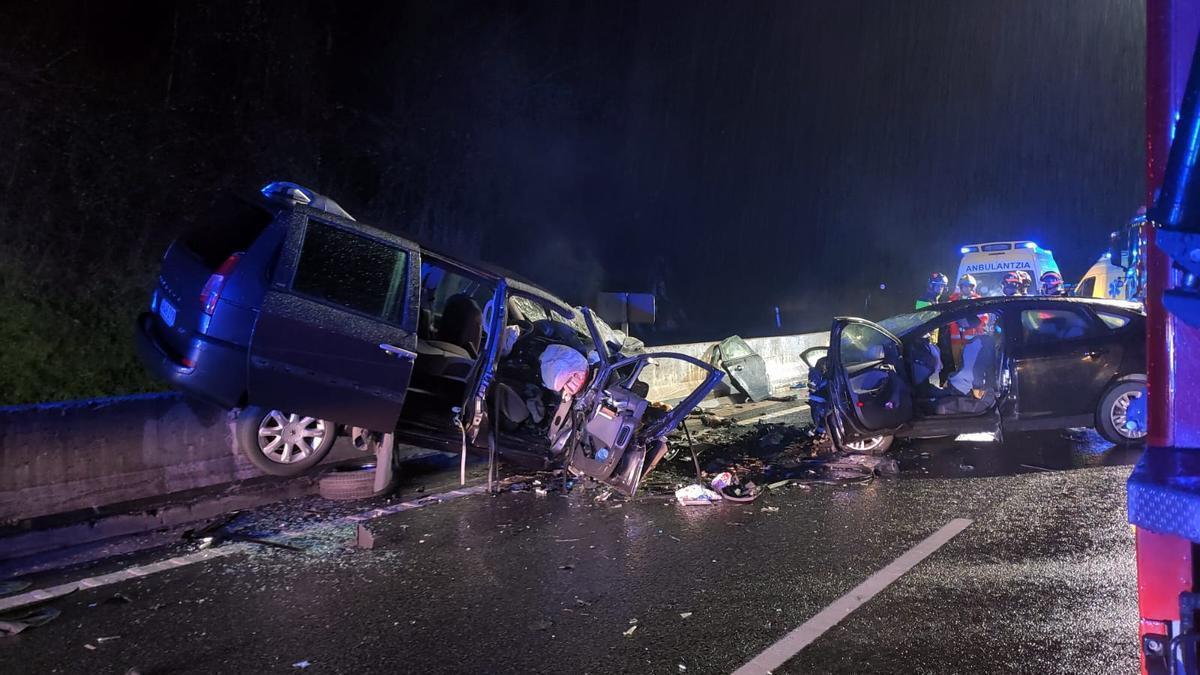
(1164, 489)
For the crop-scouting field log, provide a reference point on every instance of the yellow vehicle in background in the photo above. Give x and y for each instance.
(1118, 274)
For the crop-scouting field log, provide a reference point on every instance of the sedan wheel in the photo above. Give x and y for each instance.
(876, 445)
(1121, 415)
(1126, 425)
(281, 443)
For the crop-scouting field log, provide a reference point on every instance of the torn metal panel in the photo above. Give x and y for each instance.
(746, 368)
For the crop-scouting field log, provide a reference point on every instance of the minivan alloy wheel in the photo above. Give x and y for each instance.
(289, 438)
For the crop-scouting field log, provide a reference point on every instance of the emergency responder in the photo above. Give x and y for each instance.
(933, 291)
(966, 288)
(978, 358)
(1026, 282)
(1012, 284)
(1052, 283)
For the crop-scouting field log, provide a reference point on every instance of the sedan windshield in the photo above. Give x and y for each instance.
(901, 324)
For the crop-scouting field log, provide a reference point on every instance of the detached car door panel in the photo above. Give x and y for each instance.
(869, 384)
(336, 335)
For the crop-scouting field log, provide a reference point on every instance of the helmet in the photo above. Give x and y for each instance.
(1051, 282)
(1011, 283)
(937, 279)
(1026, 280)
(967, 280)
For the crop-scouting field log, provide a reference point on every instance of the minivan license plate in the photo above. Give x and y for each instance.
(167, 311)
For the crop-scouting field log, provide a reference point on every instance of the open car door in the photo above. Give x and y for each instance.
(869, 387)
(616, 436)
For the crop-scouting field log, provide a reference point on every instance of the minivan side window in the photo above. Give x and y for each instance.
(352, 271)
(1086, 287)
(1039, 326)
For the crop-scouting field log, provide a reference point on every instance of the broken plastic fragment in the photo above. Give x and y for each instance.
(629, 633)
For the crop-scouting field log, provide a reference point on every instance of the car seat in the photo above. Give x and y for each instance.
(462, 324)
(444, 363)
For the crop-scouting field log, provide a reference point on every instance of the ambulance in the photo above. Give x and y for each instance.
(1118, 273)
(989, 262)
(1103, 280)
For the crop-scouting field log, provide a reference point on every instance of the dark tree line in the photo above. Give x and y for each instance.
(792, 154)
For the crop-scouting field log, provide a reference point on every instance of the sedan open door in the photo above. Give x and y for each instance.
(869, 386)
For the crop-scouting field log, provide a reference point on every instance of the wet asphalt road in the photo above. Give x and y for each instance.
(1042, 581)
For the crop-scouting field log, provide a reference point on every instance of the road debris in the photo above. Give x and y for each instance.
(695, 495)
(721, 480)
(301, 664)
(685, 615)
(769, 509)
(18, 622)
(629, 633)
(739, 492)
(13, 586)
(865, 464)
(364, 538)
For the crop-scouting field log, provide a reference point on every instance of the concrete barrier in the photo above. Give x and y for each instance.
(674, 379)
(76, 455)
(66, 457)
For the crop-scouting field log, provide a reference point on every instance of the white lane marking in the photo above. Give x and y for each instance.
(44, 594)
(791, 644)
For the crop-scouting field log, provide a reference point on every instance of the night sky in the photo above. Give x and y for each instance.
(748, 154)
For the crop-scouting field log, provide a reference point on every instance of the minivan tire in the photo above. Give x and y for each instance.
(350, 484)
(1106, 425)
(253, 444)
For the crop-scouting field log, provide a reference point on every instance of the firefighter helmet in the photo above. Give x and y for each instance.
(1052, 282)
(1026, 281)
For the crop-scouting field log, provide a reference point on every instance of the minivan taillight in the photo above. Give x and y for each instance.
(216, 284)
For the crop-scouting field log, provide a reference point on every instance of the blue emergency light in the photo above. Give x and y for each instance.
(965, 250)
(1029, 244)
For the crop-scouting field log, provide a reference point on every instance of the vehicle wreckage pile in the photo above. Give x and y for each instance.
(713, 459)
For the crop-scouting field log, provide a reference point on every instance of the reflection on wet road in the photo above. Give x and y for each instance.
(1041, 581)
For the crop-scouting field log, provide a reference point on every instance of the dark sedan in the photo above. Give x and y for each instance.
(988, 365)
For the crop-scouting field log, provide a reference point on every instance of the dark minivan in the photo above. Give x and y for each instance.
(308, 324)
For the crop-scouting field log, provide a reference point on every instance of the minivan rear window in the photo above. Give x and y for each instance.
(230, 226)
